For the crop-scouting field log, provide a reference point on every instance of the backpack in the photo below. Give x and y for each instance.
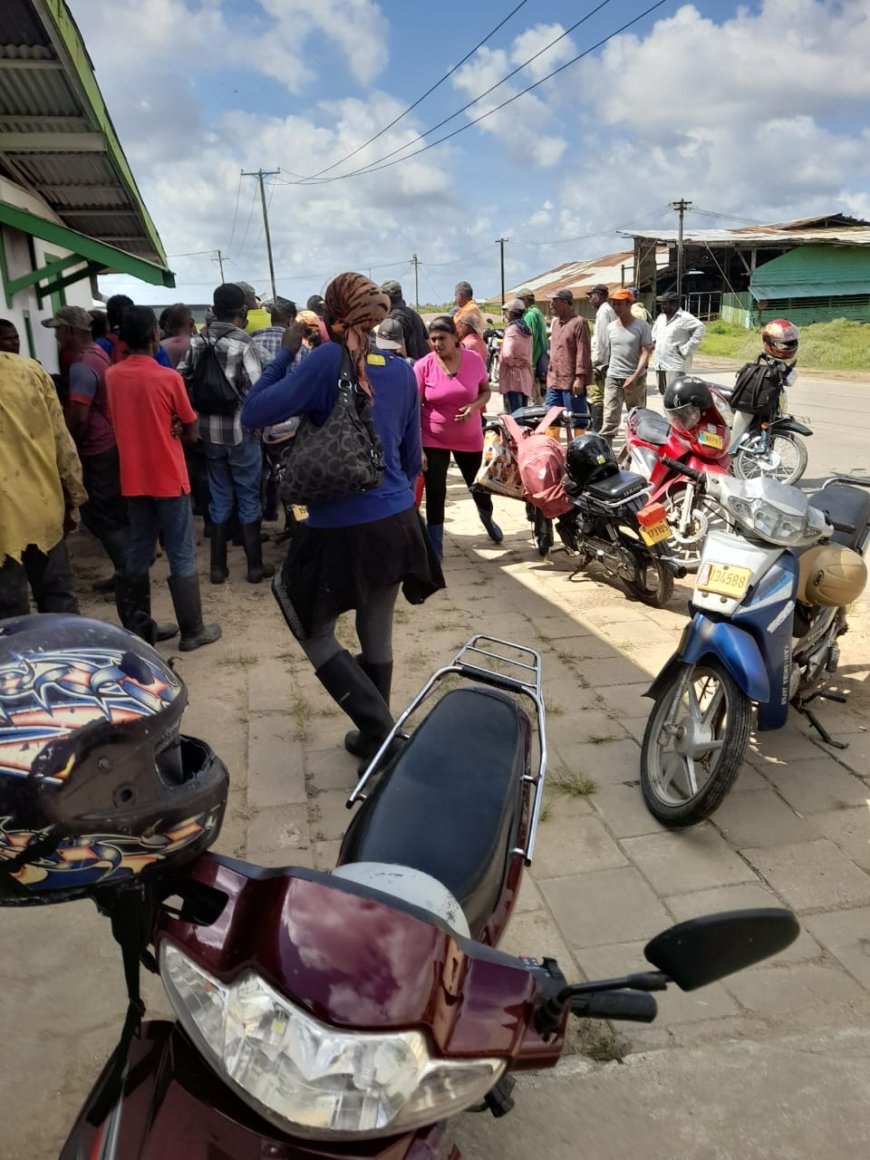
(757, 389)
(541, 464)
(211, 392)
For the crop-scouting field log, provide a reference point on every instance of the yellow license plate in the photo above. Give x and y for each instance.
(655, 533)
(711, 439)
(723, 579)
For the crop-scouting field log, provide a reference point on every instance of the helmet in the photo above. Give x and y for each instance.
(98, 789)
(831, 576)
(686, 399)
(588, 459)
(780, 339)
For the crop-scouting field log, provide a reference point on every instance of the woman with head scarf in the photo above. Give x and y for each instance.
(353, 552)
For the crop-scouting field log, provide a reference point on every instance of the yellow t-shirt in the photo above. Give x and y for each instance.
(40, 472)
(258, 319)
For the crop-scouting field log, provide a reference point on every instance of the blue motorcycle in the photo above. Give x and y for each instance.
(769, 606)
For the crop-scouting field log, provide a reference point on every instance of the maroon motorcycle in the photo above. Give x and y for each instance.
(350, 1014)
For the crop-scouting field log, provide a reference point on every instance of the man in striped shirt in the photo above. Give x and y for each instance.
(281, 312)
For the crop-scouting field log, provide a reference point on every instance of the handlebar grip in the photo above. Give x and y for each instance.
(636, 1006)
(683, 468)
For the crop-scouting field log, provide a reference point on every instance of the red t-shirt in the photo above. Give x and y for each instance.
(144, 398)
(442, 396)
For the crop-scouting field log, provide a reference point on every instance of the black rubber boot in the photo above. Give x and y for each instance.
(218, 571)
(253, 545)
(133, 601)
(187, 602)
(381, 676)
(357, 695)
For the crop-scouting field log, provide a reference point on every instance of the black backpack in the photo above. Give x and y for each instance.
(211, 392)
(757, 389)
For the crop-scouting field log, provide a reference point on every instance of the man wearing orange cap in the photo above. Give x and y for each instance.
(630, 343)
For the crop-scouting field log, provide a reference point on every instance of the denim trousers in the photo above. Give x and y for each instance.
(173, 516)
(234, 472)
(576, 404)
(514, 400)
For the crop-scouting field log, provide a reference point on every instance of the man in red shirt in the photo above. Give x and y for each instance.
(152, 413)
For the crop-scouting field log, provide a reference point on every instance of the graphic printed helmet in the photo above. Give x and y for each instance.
(780, 339)
(588, 459)
(685, 400)
(98, 789)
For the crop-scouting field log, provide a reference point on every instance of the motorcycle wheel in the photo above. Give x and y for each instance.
(686, 547)
(785, 460)
(493, 370)
(656, 584)
(543, 534)
(694, 744)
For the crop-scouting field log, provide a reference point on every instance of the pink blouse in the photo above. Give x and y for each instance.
(441, 397)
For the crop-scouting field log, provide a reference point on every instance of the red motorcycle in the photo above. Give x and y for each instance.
(348, 1015)
(693, 432)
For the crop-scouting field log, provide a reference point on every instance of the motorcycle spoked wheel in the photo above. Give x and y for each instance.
(686, 547)
(785, 460)
(694, 744)
(653, 580)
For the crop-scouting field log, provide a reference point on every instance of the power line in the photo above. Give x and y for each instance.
(419, 100)
(375, 167)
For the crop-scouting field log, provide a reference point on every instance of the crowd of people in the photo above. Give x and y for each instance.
(151, 422)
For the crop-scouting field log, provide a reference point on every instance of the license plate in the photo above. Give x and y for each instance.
(711, 439)
(723, 579)
(655, 533)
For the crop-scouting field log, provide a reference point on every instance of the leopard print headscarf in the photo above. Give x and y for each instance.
(355, 305)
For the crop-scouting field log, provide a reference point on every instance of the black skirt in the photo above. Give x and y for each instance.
(329, 571)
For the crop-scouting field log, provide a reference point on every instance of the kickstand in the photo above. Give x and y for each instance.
(819, 727)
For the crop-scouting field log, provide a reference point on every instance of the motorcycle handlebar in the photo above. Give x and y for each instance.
(684, 469)
(635, 1006)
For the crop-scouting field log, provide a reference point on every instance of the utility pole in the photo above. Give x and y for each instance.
(500, 243)
(415, 262)
(259, 174)
(220, 261)
(680, 206)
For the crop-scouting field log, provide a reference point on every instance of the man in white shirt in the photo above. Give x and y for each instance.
(604, 315)
(677, 335)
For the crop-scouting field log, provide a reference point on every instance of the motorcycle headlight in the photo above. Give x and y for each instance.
(311, 1079)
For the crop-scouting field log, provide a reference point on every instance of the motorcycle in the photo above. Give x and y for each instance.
(767, 441)
(493, 339)
(769, 608)
(650, 443)
(350, 1014)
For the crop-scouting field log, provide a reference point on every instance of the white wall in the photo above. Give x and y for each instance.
(24, 303)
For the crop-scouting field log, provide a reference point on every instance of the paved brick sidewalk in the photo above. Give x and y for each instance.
(796, 828)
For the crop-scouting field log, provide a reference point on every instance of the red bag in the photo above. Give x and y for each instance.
(541, 464)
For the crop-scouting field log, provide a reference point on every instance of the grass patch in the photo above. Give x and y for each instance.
(840, 345)
(572, 784)
(301, 712)
(241, 660)
(600, 739)
(595, 1040)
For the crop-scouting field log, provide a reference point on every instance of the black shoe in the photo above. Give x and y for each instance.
(187, 602)
(133, 601)
(218, 570)
(253, 545)
(356, 694)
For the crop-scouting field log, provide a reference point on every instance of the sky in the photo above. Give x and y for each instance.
(755, 112)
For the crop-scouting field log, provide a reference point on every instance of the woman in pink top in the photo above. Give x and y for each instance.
(470, 339)
(515, 376)
(454, 390)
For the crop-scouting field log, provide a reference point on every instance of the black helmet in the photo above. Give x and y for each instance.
(685, 400)
(97, 786)
(589, 458)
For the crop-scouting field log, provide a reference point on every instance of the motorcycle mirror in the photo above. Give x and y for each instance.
(708, 948)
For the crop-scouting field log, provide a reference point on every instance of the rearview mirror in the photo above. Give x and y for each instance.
(708, 948)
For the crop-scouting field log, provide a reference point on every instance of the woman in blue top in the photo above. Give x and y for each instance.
(353, 552)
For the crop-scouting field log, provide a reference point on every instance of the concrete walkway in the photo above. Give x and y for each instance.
(772, 1062)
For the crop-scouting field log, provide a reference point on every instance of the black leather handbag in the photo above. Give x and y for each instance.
(339, 458)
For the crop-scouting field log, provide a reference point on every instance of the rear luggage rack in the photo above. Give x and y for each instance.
(522, 677)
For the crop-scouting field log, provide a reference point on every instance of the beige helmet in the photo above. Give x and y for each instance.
(831, 576)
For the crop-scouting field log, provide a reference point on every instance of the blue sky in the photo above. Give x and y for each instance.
(755, 112)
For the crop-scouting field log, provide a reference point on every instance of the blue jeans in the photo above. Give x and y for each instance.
(571, 402)
(514, 400)
(173, 517)
(234, 475)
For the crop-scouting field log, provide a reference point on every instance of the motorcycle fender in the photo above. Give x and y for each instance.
(734, 648)
(789, 423)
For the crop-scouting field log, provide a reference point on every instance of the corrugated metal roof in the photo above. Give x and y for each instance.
(812, 272)
(47, 89)
(763, 235)
(580, 277)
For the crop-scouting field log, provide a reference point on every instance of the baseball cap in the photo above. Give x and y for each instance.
(390, 335)
(229, 298)
(526, 294)
(75, 316)
(249, 293)
(669, 296)
(623, 295)
(392, 287)
(514, 306)
(564, 295)
(599, 289)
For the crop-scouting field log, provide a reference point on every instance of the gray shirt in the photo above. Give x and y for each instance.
(625, 344)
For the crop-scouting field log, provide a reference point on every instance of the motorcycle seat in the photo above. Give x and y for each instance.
(529, 416)
(845, 505)
(619, 486)
(450, 804)
(652, 427)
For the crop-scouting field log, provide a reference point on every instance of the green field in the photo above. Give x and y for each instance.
(841, 345)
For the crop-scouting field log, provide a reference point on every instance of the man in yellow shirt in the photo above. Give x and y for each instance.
(41, 491)
(258, 317)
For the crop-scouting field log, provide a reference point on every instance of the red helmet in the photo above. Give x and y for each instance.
(780, 339)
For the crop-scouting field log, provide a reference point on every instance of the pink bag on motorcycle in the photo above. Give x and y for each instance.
(541, 464)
